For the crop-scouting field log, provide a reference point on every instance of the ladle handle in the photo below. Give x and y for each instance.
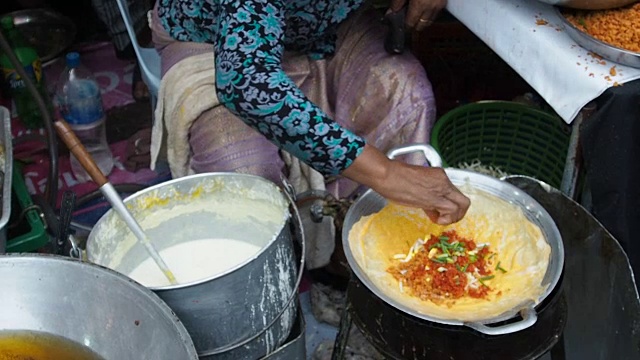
(85, 159)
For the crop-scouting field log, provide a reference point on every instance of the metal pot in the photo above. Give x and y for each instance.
(90, 305)
(243, 313)
(371, 202)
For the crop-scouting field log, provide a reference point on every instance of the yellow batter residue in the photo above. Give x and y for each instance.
(375, 241)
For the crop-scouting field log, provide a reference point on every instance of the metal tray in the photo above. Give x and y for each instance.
(6, 160)
(607, 51)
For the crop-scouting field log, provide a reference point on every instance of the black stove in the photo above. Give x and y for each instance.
(398, 335)
(592, 314)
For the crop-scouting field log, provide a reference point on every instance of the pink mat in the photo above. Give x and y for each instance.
(114, 77)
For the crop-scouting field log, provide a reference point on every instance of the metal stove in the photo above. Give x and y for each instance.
(592, 314)
(400, 336)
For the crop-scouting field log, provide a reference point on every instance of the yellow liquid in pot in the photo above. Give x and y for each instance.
(32, 345)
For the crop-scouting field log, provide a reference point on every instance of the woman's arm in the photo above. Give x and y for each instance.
(428, 188)
(251, 83)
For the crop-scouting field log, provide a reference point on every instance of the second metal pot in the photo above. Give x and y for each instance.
(243, 313)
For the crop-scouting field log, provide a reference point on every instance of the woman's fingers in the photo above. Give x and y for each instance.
(422, 13)
(433, 215)
(448, 212)
(462, 203)
(427, 188)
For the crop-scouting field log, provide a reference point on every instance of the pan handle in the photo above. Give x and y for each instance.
(429, 152)
(529, 317)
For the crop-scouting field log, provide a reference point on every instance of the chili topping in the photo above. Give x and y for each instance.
(446, 267)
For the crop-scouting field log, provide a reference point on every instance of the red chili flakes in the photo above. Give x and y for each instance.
(439, 270)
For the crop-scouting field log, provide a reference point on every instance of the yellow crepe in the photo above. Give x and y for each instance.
(520, 246)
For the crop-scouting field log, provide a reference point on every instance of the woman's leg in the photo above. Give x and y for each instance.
(221, 142)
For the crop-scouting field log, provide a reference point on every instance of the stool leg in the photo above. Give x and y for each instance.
(342, 338)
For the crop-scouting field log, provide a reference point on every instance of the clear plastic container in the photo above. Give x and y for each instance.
(80, 104)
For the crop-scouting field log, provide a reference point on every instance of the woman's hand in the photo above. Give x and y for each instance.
(420, 13)
(428, 188)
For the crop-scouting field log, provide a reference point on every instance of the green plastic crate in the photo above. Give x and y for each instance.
(516, 138)
(30, 233)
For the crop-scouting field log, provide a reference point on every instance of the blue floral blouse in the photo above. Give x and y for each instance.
(249, 38)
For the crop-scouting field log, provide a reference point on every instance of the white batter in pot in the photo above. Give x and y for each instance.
(194, 260)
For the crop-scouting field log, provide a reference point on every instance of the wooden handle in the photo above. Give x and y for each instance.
(79, 151)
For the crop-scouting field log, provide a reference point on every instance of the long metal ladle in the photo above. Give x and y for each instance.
(86, 160)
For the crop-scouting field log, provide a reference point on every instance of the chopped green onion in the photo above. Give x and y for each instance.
(582, 22)
(444, 238)
(459, 268)
(490, 256)
(473, 258)
(465, 268)
(450, 260)
(438, 260)
(485, 278)
(498, 267)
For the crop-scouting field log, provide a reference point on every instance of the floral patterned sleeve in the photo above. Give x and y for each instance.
(251, 83)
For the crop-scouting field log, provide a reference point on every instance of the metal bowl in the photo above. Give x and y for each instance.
(90, 305)
(49, 32)
(372, 202)
(590, 4)
(607, 51)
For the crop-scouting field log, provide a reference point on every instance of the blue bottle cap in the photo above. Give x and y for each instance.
(73, 59)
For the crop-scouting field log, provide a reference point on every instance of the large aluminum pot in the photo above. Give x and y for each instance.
(93, 306)
(245, 312)
(590, 4)
(371, 202)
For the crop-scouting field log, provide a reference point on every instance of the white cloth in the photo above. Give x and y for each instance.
(320, 237)
(186, 91)
(544, 55)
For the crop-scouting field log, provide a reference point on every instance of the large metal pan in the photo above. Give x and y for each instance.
(589, 43)
(371, 202)
(590, 4)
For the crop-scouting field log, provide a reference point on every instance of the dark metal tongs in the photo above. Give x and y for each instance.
(394, 43)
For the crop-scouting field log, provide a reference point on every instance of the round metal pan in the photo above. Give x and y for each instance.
(371, 202)
(590, 4)
(607, 51)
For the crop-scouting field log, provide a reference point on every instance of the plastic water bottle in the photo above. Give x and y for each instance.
(26, 106)
(80, 104)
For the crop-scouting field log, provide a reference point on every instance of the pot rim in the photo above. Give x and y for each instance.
(231, 270)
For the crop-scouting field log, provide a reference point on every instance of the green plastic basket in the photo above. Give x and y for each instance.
(516, 138)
